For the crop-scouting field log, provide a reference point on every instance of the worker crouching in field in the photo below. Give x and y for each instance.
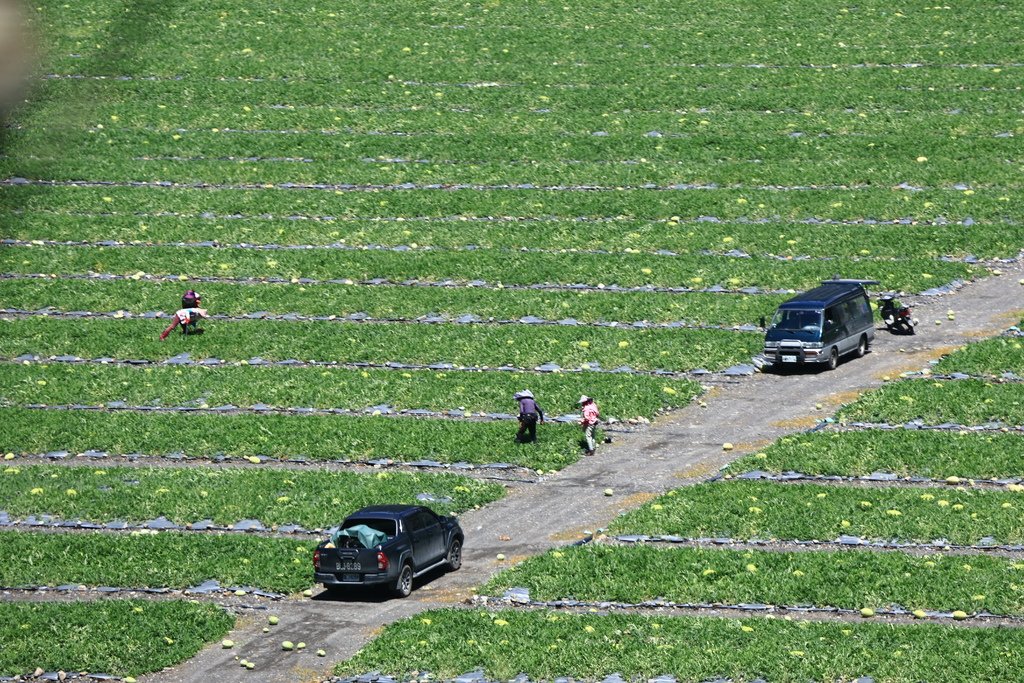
(529, 414)
(188, 318)
(591, 416)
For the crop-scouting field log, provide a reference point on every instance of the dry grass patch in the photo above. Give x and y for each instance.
(635, 499)
(569, 535)
(802, 422)
(701, 468)
(452, 595)
(841, 398)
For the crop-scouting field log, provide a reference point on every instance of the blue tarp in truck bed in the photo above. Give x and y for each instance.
(368, 537)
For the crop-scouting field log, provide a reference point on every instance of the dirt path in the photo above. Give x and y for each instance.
(683, 448)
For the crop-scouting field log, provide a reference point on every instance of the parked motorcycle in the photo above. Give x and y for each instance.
(897, 317)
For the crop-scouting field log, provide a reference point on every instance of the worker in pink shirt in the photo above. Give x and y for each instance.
(591, 416)
(187, 318)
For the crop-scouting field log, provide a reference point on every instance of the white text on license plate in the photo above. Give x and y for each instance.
(347, 567)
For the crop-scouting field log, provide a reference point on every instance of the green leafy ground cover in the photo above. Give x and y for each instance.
(614, 234)
(621, 395)
(519, 346)
(508, 267)
(390, 302)
(530, 38)
(165, 560)
(186, 495)
(967, 402)
(145, 205)
(847, 580)
(858, 108)
(928, 204)
(980, 93)
(300, 104)
(313, 437)
(744, 510)
(923, 453)
(119, 637)
(545, 644)
(213, 157)
(988, 357)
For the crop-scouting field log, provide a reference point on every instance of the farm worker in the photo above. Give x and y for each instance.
(529, 414)
(190, 299)
(187, 318)
(591, 416)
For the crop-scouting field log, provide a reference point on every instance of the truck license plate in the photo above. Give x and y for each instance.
(347, 567)
(350, 578)
(789, 359)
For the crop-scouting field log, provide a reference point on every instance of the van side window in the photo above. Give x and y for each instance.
(831, 330)
(831, 318)
(864, 310)
(851, 310)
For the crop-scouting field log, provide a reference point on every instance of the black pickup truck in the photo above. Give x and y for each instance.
(388, 545)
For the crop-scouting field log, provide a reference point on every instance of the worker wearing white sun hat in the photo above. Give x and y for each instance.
(591, 416)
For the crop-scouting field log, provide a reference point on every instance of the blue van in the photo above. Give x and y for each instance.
(821, 325)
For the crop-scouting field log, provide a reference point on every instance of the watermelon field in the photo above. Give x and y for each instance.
(400, 214)
(845, 551)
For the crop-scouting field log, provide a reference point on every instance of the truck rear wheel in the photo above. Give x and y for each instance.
(454, 557)
(403, 585)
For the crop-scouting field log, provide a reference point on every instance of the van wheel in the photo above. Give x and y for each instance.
(862, 347)
(833, 359)
(403, 586)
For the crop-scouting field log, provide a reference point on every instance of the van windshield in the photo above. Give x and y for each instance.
(795, 319)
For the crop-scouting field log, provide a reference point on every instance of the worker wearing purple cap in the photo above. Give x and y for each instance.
(529, 414)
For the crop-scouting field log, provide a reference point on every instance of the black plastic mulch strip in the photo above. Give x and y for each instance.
(690, 220)
(401, 248)
(741, 370)
(478, 470)
(1001, 378)
(520, 597)
(843, 541)
(361, 317)
(249, 526)
(211, 587)
(264, 409)
(872, 478)
(479, 677)
(383, 281)
(491, 84)
(455, 187)
(64, 676)
(921, 425)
